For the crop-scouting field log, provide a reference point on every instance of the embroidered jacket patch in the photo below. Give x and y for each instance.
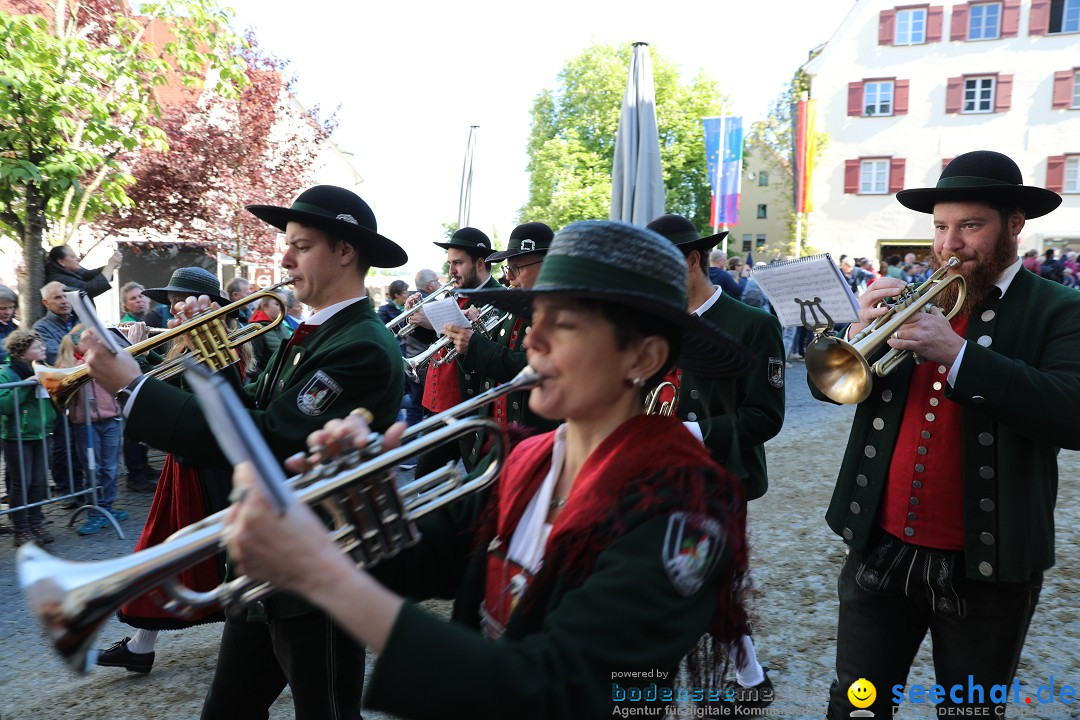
(317, 395)
(693, 545)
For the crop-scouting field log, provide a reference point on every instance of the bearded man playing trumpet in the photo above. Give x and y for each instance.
(946, 493)
(341, 357)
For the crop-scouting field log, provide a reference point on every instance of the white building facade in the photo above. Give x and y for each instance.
(904, 88)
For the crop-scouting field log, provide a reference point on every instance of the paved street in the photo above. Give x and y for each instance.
(796, 559)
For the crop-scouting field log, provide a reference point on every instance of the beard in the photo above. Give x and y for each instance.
(980, 279)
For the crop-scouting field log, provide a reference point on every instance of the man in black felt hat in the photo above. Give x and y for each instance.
(448, 384)
(947, 490)
(341, 358)
(502, 356)
(734, 418)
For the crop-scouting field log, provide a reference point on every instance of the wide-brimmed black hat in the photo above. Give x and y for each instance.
(982, 176)
(341, 213)
(194, 281)
(628, 265)
(528, 238)
(471, 240)
(683, 234)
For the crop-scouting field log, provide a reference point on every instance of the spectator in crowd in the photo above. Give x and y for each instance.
(718, 274)
(67, 470)
(396, 295)
(136, 305)
(63, 266)
(237, 289)
(9, 304)
(294, 310)
(96, 424)
(24, 446)
(265, 345)
(1032, 262)
(868, 267)
(427, 282)
(1052, 268)
(892, 267)
(856, 277)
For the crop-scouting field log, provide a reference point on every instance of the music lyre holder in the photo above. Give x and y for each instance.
(814, 324)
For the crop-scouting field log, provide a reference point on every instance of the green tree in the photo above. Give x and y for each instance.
(572, 143)
(77, 96)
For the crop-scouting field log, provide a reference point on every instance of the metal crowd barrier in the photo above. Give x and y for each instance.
(88, 496)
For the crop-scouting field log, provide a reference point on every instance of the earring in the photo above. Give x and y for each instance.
(634, 382)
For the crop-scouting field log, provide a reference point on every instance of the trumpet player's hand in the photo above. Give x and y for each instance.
(294, 552)
(136, 332)
(930, 336)
(338, 436)
(412, 300)
(869, 302)
(112, 372)
(460, 337)
(189, 308)
(472, 313)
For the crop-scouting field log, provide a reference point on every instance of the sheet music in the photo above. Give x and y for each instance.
(805, 279)
(84, 309)
(440, 312)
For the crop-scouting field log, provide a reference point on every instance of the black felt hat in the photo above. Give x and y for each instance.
(982, 176)
(194, 281)
(341, 213)
(628, 265)
(471, 240)
(533, 237)
(683, 234)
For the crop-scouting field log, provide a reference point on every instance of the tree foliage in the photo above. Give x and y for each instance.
(77, 81)
(572, 143)
(257, 148)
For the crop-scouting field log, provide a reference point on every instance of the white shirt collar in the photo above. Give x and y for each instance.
(331, 310)
(717, 292)
(1008, 275)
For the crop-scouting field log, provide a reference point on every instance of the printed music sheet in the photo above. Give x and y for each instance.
(440, 312)
(793, 287)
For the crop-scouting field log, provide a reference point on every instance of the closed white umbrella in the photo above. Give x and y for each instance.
(637, 183)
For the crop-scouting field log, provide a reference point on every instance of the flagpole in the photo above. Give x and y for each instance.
(798, 235)
(465, 192)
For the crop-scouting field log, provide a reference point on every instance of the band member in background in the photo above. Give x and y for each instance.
(501, 357)
(947, 490)
(340, 358)
(450, 383)
(612, 542)
(734, 418)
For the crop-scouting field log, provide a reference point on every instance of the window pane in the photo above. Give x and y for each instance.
(978, 95)
(873, 177)
(984, 22)
(763, 179)
(762, 211)
(911, 26)
(1070, 18)
(1072, 175)
(760, 241)
(1076, 90)
(877, 97)
(747, 243)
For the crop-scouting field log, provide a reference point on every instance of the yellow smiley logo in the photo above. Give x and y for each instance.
(862, 693)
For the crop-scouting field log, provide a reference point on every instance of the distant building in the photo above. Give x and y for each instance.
(902, 89)
(765, 210)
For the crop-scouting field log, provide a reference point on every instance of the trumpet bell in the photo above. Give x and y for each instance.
(838, 370)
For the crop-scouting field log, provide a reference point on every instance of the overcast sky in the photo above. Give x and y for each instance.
(411, 77)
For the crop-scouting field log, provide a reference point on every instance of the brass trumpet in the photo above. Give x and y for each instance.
(211, 345)
(665, 409)
(407, 329)
(839, 368)
(370, 518)
(485, 323)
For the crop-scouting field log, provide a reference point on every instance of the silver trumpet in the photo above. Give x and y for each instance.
(369, 516)
(408, 329)
(485, 323)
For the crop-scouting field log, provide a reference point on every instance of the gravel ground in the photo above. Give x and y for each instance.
(795, 564)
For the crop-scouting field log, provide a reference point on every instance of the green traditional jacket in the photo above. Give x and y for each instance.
(1016, 383)
(737, 440)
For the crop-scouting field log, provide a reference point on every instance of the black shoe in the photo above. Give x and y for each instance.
(6, 530)
(70, 504)
(142, 486)
(43, 536)
(748, 701)
(22, 537)
(118, 655)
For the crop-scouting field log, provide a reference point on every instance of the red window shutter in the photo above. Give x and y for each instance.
(851, 176)
(934, 15)
(1055, 173)
(954, 95)
(959, 29)
(900, 97)
(1040, 17)
(854, 99)
(1063, 89)
(1010, 18)
(1003, 93)
(945, 163)
(896, 174)
(886, 32)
